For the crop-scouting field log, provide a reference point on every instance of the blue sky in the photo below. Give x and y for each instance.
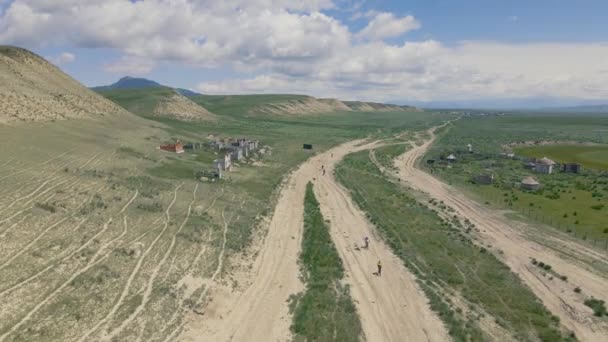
(371, 50)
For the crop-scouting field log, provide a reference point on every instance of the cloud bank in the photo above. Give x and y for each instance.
(296, 46)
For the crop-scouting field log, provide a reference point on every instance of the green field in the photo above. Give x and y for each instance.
(572, 203)
(589, 156)
(450, 268)
(325, 311)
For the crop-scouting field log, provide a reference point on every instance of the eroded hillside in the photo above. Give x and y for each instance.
(33, 89)
(158, 101)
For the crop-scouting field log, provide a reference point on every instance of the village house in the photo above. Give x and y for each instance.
(571, 168)
(178, 147)
(530, 165)
(529, 183)
(237, 154)
(544, 165)
(223, 164)
(451, 158)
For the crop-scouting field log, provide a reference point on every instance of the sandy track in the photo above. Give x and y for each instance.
(391, 307)
(508, 236)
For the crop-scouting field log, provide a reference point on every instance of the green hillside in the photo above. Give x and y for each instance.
(240, 105)
(140, 101)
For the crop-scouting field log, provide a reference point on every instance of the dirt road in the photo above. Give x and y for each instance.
(516, 250)
(391, 307)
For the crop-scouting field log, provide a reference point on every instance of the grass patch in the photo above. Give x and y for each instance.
(325, 312)
(438, 253)
(387, 154)
(590, 156)
(598, 306)
(46, 207)
(174, 169)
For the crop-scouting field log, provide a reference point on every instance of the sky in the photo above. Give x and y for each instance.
(383, 50)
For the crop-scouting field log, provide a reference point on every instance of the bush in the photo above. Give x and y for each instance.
(598, 306)
(45, 206)
(577, 289)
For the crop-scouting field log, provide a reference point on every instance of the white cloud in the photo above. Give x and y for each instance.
(292, 46)
(63, 58)
(130, 66)
(512, 18)
(386, 25)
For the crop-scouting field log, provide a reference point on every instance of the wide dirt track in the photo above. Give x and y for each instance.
(517, 251)
(391, 307)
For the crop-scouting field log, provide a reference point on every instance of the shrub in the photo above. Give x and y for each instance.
(45, 206)
(577, 289)
(598, 306)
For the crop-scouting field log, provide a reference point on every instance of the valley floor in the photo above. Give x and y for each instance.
(391, 306)
(510, 240)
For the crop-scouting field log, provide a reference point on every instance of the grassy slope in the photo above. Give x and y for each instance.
(325, 311)
(443, 257)
(568, 202)
(138, 101)
(239, 105)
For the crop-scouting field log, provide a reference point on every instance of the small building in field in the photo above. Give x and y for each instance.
(571, 168)
(544, 165)
(530, 165)
(451, 158)
(237, 154)
(178, 147)
(224, 163)
(483, 179)
(529, 183)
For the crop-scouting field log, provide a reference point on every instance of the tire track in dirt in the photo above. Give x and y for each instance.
(392, 307)
(180, 308)
(38, 237)
(25, 206)
(33, 166)
(33, 311)
(39, 273)
(66, 258)
(204, 247)
(44, 176)
(149, 286)
(260, 311)
(517, 251)
(133, 274)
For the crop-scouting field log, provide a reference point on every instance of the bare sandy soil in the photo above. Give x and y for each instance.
(510, 243)
(391, 306)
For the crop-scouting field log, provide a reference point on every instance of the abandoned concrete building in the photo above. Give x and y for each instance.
(571, 168)
(224, 163)
(484, 179)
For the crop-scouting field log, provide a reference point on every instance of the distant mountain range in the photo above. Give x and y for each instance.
(128, 82)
